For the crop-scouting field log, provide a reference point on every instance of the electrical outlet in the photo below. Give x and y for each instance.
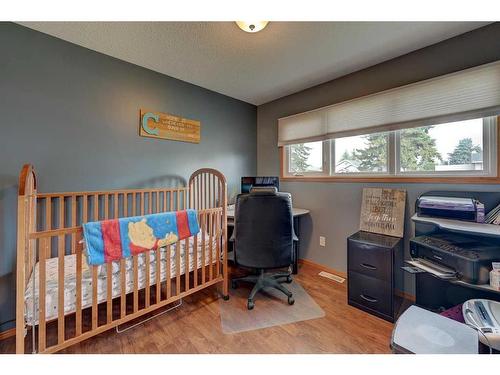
(322, 241)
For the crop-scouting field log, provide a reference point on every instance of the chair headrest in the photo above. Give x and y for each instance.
(264, 190)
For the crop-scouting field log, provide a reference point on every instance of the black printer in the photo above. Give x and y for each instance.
(459, 208)
(470, 258)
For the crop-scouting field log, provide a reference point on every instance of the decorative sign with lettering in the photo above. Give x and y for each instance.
(383, 211)
(165, 126)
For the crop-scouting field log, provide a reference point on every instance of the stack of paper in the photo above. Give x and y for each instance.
(435, 269)
(493, 217)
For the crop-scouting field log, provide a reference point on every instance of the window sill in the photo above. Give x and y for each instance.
(397, 179)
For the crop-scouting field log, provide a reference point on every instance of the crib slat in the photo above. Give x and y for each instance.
(203, 262)
(191, 195)
(165, 209)
(178, 192)
(60, 289)
(142, 203)
(214, 197)
(41, 289)
(60, 239)
(186, 261)
(219, 193)
(195, 261)
(168, 274)
(61, 212)
(134, 204)
(136, 282)
(150, 202)
(147, 279)
(158, 278)
(197, 180)
(109, 291)
(177, 268)
(123, 287)
(106, 206)
(211, 244)
(171, 208)
(125, 205)
(85, 208)
(96, 207)
(94, 297)
(78, 287)
(48, 220)
(218, 202)
(158, 201)
(206, 188)
(202, 190)
(115, 206)
(48, 213)
(73, 221)
(218, 222)
(210, 190)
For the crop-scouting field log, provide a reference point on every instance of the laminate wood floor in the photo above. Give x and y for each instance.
(196, 328)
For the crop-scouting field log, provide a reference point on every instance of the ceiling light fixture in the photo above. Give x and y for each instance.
(252, 26)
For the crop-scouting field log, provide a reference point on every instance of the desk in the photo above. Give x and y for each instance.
(297, 213)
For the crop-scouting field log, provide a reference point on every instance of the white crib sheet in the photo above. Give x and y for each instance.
(52, 287)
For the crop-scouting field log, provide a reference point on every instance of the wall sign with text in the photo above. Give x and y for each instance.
(166, 126)
(383, 211)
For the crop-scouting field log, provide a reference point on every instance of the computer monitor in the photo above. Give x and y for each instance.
(247, 183)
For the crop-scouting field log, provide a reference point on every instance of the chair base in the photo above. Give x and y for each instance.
(261, 281)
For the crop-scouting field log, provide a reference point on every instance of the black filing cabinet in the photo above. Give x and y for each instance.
(372, 260)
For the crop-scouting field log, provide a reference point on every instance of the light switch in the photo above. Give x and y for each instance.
(322, 241)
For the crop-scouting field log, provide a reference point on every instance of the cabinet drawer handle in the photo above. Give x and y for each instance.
(369, 266)
(368, 298)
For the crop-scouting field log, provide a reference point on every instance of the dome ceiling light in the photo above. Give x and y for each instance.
(252, 26)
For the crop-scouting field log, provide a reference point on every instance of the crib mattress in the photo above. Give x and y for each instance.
(52, 271)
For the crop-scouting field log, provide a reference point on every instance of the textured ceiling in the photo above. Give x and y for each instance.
(284, 58)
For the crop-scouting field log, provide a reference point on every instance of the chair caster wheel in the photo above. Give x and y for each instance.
(234, 285)
(291, 301)
(289, 279)
(250, 305)
(225, 298)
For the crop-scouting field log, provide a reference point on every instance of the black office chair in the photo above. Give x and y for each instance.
(263, 239)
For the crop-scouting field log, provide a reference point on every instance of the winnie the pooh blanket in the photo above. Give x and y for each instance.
(114, 239)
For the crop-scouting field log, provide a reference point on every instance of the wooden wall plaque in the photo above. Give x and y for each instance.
(165, 126)
(383, 211)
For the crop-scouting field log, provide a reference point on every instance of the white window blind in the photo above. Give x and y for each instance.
(466, 94)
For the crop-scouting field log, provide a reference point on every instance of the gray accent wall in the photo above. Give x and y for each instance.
(74, 114)
(335, 206)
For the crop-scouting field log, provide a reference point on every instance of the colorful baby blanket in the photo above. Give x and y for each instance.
(114, 239)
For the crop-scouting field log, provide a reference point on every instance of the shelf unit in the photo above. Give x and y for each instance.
(466, 227)
(444, 292)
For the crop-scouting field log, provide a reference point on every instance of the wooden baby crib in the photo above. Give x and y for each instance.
(60, 300)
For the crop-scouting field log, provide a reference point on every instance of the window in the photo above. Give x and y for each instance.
(452, 147)
(362, 154)
(461, 148)
(307, 158)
